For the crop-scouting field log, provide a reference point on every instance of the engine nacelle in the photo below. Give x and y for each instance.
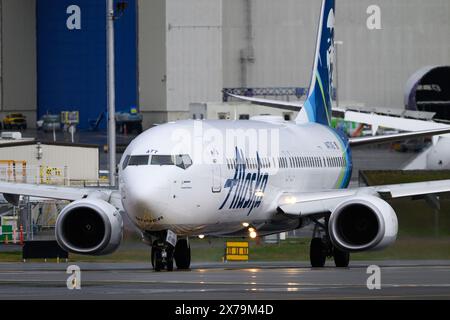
(363, 223)
(90, 227)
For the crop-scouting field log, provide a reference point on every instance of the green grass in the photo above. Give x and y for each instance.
(11, 256)
(417, 219)
(413, 248)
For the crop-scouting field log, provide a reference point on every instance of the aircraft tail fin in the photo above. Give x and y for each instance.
(317, 107)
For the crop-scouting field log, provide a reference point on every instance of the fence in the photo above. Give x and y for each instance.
(20, 172)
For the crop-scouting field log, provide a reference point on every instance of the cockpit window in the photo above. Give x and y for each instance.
(125, 162)
(162, 160)
(138, 160)
(183, 161)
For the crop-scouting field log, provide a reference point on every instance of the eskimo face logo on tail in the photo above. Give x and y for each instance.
(246, 189)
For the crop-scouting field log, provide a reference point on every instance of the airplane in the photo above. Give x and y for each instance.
(243, 178)
(434, 157)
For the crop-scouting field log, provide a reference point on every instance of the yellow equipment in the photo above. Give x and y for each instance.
(236, 251)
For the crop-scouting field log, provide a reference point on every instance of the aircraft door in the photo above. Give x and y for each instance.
(216, 172)
(289, 174)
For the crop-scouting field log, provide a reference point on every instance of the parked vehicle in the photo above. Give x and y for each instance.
(15, 121)
(128, 122)
(51, 122)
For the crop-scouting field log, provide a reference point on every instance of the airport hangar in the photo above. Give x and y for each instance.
(174, 56)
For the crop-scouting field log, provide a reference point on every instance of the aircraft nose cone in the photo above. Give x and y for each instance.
(145, 194)
(143, 197)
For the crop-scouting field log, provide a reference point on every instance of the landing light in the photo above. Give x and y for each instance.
(251, 230)
(259, 194)
(253, 234)
(202, 236)
(245, 224)
(290, 200)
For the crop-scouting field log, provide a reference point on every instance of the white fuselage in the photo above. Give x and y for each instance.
(238, 172)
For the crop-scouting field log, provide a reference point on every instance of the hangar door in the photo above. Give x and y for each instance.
(71, 54)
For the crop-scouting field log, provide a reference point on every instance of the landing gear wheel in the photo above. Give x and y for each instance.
(152, 257)
(169, 265)
(158, 264)
(162, 258)
(154, 248)
(169, 259)
(317, 253)
(341, 258)
(182, 254)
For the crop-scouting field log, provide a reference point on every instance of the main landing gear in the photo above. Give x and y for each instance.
(164, 254)
(321, 248)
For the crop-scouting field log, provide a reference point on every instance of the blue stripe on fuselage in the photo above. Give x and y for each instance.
(347, 151)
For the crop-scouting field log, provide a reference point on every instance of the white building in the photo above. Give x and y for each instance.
(35, 162)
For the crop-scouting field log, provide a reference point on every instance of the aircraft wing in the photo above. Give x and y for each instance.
(44, 191)
(404, 124)
(360, 141)
(419, 128)
(304, 204)
(292, 106)
(12, 192)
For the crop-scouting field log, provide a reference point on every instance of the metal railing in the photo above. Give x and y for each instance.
(20, 172)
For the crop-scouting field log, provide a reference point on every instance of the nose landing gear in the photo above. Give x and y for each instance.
(162, 256)
(164, 253)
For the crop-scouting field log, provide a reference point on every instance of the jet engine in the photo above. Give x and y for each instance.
(90, 227)
(363, 223)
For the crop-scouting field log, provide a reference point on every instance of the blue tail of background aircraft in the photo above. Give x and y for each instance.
(318, 104)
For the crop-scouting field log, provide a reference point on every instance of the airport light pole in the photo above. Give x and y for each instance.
(111, 92)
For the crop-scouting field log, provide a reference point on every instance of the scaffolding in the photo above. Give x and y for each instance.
(13, 171)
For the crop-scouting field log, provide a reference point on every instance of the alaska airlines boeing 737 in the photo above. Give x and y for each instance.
(240, 179)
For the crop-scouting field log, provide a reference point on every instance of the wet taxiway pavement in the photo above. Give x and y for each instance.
(283, 280)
